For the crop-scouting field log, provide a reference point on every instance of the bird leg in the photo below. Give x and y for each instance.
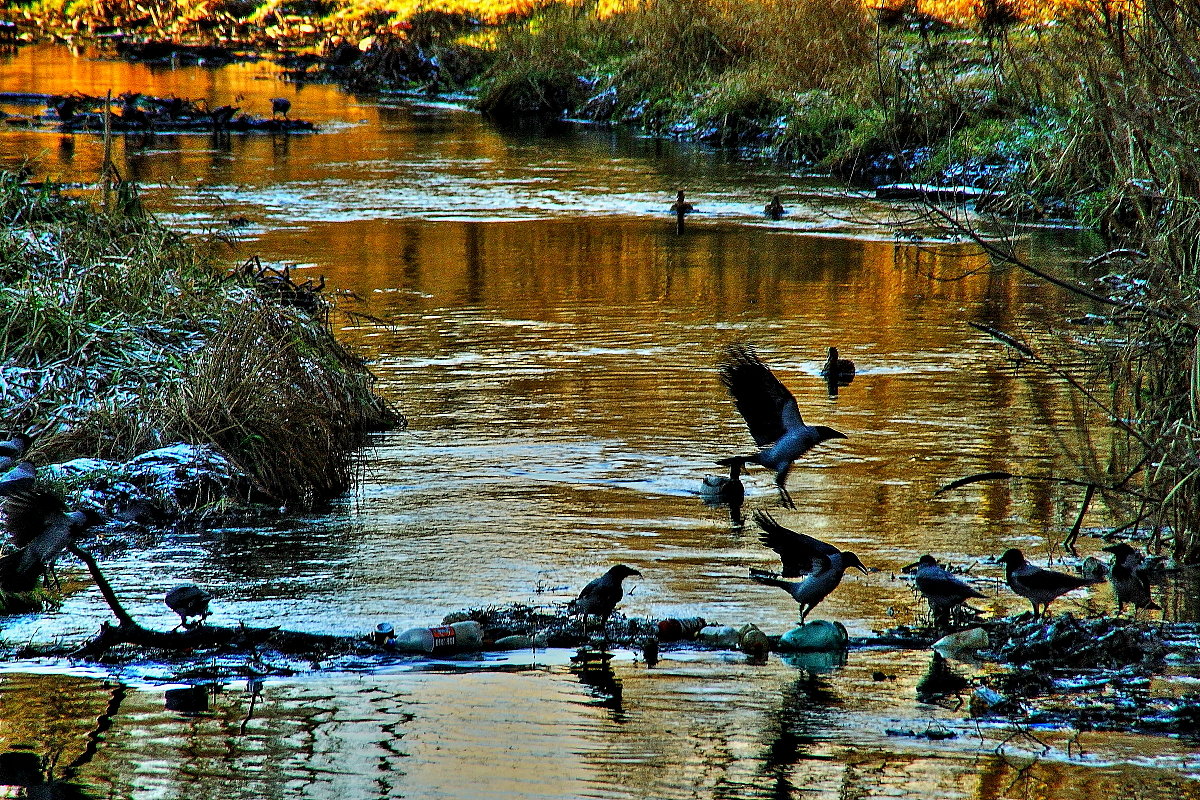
(781, 482)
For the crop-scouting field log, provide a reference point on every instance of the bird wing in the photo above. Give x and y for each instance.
(1047, 581)
(939, 582)
(799, 552)
(764, 402)
(27, 514)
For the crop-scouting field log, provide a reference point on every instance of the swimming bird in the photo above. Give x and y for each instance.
(719, 489)
(681, 206)
(600, 597)
(1039, 586)
(40, 528)
(801, 554)
(280, 105)
(942, 590)
(771, 414)
(189, 600)
(1129, 575)
(835, 367)
(774, 209)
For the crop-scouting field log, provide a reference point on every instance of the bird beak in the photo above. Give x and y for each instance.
(862, 569)
(911, 568)
(635, 572)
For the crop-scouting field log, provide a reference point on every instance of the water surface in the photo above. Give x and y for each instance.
(553, 343)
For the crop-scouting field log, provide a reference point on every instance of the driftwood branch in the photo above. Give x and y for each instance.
(241, 638)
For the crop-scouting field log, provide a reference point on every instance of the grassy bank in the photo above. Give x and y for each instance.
(118, 336)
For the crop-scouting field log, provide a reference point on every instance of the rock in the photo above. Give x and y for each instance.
(753, 642)
(819, 636)
(984, 701)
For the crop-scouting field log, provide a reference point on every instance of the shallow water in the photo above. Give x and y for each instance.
(553, 343)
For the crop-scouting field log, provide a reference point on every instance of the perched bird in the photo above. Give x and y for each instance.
(40, 528)
(221, 116)
(280, 105)
(1129, 575)
(600, 597)
(18, 479)
(942, 590)
(774, 209)
(189, 600)
(15, 446)
(771, 414)
(1039, 586)
(802, 554)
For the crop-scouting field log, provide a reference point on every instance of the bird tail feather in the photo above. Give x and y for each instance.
(768, 578)
(735, 461)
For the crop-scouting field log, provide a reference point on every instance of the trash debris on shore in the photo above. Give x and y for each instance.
(132, 112)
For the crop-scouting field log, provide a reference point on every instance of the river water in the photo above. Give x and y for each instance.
(553, 343)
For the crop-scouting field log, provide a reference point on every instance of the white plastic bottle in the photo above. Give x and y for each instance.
(457, 638)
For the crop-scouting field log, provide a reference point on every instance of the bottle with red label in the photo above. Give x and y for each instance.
(459, 637)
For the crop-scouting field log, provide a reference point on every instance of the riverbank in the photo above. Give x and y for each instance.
(119, 336)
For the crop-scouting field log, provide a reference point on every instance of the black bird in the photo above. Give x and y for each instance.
(681, 208)
(17, 480)
(719, 489)
(839, 368)
(1039, 586)
(189, 600)
(1129, 575)
(600, 597)
(942, 590)
(280, 105)
(15, 446)
(40, 528)
(771, 414)
(221, 116)
(802, 554)
(774, 209)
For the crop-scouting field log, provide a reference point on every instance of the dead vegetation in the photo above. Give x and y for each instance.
(119, 336)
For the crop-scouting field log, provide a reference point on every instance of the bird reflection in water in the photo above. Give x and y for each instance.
(594, 670)
(793, 731)
(942, 686)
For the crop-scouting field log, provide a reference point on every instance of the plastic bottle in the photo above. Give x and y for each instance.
(718, 636)
(383, 633)
(753, 642)
(672, 629)
(456, 638)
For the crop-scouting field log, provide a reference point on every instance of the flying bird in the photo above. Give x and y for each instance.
(39, 528)
(189, 600)
(801, 554)
(12, 450)
(1038, 586)
(1129, 574)
(771, 414)
(600, 597)
(941, 589)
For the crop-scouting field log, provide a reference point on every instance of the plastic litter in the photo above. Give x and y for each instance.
(962, 644)
(456, 638)
(718, 636)
(672, 629)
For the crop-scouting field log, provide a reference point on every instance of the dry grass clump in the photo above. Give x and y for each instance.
(118, 336)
